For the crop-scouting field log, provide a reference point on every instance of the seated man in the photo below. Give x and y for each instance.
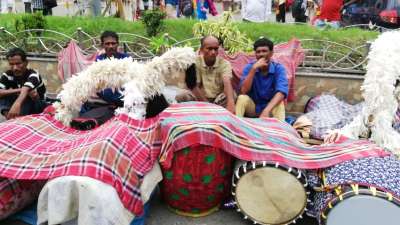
(213, 77)
(22, 90)
(263, 85)
(102, 108)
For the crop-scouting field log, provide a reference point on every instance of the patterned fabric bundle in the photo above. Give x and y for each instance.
(183, 125)
(381, 173)
(118, 153)
(17, 194)
(328, 113)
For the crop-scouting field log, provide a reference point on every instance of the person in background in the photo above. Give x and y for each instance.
(256, 10)
(331, 13)
(281, 11)
(22, 90)
(7, 6)
(299, 11)
(38, 5)
(101, 108)
(28, 6)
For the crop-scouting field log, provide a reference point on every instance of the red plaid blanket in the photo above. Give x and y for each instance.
(118, 153)
(183, 125)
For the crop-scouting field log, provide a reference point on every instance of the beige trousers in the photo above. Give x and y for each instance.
(245, 106)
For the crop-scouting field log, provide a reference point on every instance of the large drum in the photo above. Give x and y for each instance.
(269, 193)
(198, 180)
(17, 194)
(360, 192)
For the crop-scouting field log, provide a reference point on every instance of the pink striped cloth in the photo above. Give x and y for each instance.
(71, 60)
(187, 124)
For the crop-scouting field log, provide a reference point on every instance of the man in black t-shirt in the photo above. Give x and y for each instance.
(22, 90)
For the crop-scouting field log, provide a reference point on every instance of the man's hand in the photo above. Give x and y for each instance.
(260, 63)
(231, 107)
(265, 114)
(34, 95)
(15, 111)
(332, 137)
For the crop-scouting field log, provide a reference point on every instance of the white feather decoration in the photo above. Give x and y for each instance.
(378, 90)
(139, 80)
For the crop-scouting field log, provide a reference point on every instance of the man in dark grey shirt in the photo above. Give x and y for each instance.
(22, 90)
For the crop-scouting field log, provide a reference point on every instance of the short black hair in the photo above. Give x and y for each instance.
(208, 36)
(107, 34)
(264, 42)
(16, 51)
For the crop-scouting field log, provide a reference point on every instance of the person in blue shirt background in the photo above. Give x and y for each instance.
(263, 85)
(103, 108)
(110, 42)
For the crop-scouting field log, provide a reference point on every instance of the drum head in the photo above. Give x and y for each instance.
(270, 196)
(364, 210)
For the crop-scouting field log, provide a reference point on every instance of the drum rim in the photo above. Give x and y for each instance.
(363, 189)
(252, 165)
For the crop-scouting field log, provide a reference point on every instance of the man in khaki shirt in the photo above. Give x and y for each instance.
(213, 77)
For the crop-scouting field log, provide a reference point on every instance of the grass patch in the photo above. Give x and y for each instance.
(181, 29)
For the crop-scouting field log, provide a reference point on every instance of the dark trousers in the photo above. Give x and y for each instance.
(28, 107)
(302, 19)
(46, 11)
(281, 16)
(97, 111)
(28, 7)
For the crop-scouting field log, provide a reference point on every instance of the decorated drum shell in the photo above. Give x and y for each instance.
(198, 181)
(17, 194)
(374, 178)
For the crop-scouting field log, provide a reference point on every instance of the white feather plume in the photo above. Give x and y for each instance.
(139, 80)
(378, 90)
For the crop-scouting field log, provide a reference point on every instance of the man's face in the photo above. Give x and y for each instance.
(17, 65)
(263, 52)
(210, 49)
(110, 45)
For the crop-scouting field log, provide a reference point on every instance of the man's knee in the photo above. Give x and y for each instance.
(278, 111)
(186, 96)
(243, 99)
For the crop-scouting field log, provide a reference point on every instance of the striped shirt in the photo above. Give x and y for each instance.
(37, 4)
(30, 79)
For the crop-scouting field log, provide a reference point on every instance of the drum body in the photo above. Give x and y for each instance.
(198, 180)
(268, 193)
(360, 192)
(17, 194)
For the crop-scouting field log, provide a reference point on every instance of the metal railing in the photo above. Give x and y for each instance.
(321, 55)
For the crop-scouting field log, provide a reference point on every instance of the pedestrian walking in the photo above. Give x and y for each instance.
(28, 6)
(281, 11)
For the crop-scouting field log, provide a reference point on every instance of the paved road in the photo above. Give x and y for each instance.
(160, 215)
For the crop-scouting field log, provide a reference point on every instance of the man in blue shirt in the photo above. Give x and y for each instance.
(103, 108)
(263, 86)
(110, 42)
